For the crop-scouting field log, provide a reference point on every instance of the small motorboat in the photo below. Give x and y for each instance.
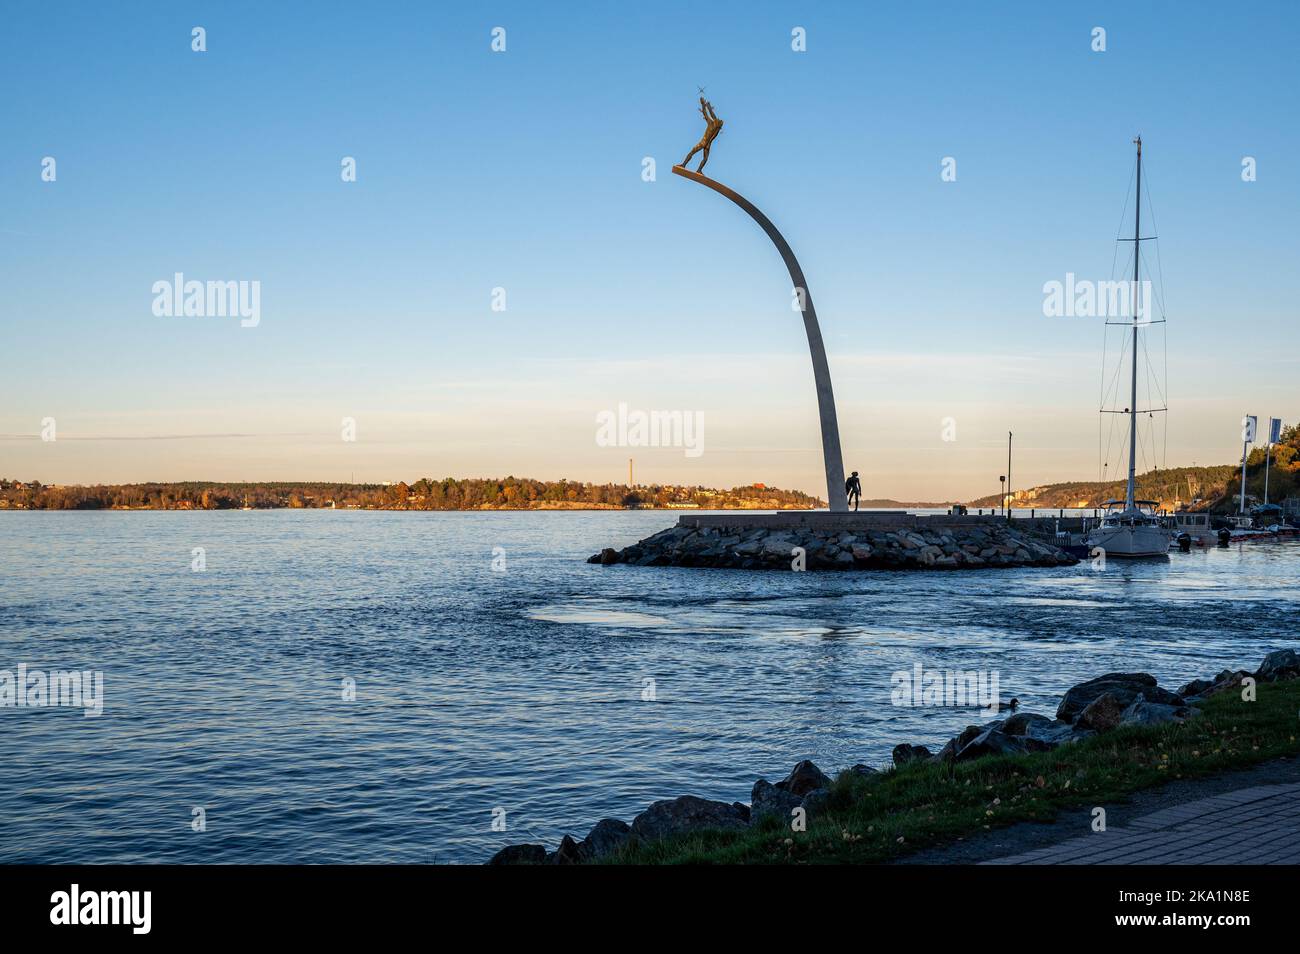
(1195, 525)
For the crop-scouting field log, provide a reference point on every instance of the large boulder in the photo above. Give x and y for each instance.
(1225, 681)
(767, 799)
(803, 778)
(997, 742)
(519, 855)
(957, 743)
(1054, 732)
(569, 853)
(780, 547)
(1125, 686)
(1279, 665)
(1194, 688)
(815, 802)
(687, 813)
(606, 837)
(910, 753)
(1024, 723)
(1102, 714)
(1141, 712)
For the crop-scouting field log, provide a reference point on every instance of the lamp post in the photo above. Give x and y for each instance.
(1008, 475)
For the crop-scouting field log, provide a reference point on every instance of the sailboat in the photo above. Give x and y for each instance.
(1131, 528)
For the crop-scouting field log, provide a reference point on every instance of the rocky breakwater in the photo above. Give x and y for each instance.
(1097, 706)
(845, 543)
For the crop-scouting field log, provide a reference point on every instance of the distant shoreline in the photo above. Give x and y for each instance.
(1212, 489)
(588, 508)
(425, 494)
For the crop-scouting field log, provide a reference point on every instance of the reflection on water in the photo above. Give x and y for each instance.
(522, 689)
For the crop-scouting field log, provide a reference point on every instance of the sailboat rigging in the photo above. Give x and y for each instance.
(1132, 528)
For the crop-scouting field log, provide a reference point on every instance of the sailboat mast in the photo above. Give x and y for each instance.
(1132, 407)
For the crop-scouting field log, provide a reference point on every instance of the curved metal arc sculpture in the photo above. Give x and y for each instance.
(834, 460)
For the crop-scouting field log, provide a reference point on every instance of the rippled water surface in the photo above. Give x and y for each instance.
(519, 689)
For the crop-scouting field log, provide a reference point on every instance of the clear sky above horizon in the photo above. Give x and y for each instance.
(523, 170)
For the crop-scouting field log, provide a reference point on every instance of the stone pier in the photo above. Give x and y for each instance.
(819, 540)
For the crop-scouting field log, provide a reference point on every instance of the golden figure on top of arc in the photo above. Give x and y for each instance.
(711, 130)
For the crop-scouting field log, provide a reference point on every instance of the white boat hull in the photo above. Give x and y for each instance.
(1128, 542)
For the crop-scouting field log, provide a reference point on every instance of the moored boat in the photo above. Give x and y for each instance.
(1131, 527)
(1196, 524)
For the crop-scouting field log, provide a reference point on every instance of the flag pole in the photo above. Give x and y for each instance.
(1268, 453)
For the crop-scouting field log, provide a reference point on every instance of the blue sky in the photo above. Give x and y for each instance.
(522, 170)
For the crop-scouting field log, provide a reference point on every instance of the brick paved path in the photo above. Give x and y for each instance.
(1251, 826)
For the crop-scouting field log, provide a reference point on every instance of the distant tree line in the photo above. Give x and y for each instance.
(450, 493)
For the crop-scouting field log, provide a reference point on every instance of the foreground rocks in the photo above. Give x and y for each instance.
(766, 799)
(941, 547)
(905, 753)
(520, 855)
(607, 837)
(1225, 681)
(1122, 687)
(678, 816)
(1141, 712)
(1100, 705)
(1282, 664)
(804, 778)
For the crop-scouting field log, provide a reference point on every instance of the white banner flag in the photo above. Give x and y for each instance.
(1248, 425)
(1274, 430)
